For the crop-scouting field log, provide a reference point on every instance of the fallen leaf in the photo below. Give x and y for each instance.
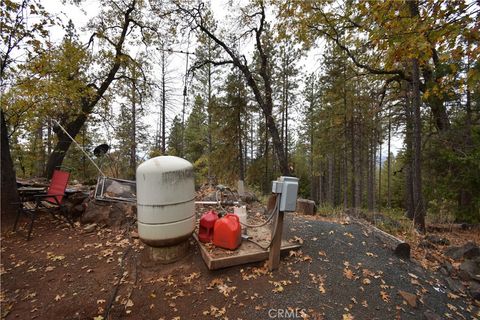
(452, 296)
(347, 316)
(409, 297)
(385, 296)
(348, 274)
(57, 297)
(366, 281)
(451, 307)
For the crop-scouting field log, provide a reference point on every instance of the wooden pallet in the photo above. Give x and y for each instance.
(248, 252)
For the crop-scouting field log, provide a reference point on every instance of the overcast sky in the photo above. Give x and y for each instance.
(221, 9)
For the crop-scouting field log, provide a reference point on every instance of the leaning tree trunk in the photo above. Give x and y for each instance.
(63, 144)
(8, 179)
(88, 102)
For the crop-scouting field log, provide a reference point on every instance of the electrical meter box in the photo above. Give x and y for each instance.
(287, 187)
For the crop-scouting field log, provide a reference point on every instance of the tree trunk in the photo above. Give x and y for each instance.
(240, 146)
(39, 152)
(8, 178)
(389, 159)
(164, 102)
(379, 176)
(331, 187)
(408, 156)
(442, 120)
(133, 147)
(419, 213)
(90, 99)
(63, 144)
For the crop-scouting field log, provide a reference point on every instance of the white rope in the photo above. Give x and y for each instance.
(79, 147)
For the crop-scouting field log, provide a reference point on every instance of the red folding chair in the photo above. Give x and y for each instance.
(51, 201)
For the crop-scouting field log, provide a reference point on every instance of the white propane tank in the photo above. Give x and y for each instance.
(165, 201)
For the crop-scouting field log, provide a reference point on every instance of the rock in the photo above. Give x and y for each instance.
(448, 266)
(469, 270)
(426, 244)
(77, 210)
(455, 285)
(112, 214)
(453, 252)
(474, 290)
(436, 239)
(134, 234)
(409, 297)
(249, 197)
(469, 251)
(305, 206)
(472, 253)
(90, 227)
(430, 315)
(444, 271)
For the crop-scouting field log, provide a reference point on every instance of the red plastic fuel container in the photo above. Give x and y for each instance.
(227, 232)
(205, 229)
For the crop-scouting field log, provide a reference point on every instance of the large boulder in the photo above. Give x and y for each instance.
(468, 251)
(111, 214)
(469, 270)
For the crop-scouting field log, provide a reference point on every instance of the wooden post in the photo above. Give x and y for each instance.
(274, 254)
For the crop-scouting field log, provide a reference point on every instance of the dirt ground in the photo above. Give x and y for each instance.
(341, 272)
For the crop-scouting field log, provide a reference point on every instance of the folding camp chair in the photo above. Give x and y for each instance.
(50, 201)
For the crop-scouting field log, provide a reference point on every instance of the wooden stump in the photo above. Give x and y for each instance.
(305, 206)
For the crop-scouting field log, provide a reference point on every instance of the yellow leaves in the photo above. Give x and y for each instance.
(253, 273)
(53, 257)
(348, 234)
(99, 317)
(451, 307)
(452, 296)
(347, 316)
(348, 274)
(279, 285)
(226, 290)
(221, 286)
(192, 276)
(129, 303)
(319, 280)
(297, 239)
(385, 297)
(215, 312)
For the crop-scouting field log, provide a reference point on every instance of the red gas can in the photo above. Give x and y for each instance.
(205, 229)
(227, 232)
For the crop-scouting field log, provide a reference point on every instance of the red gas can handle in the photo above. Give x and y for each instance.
(231, 215)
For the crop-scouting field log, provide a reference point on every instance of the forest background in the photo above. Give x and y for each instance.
(244, 107)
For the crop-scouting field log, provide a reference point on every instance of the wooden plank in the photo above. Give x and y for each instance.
(274, 254)
(248, 252)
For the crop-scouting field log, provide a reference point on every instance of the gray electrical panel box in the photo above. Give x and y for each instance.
(287, 187)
